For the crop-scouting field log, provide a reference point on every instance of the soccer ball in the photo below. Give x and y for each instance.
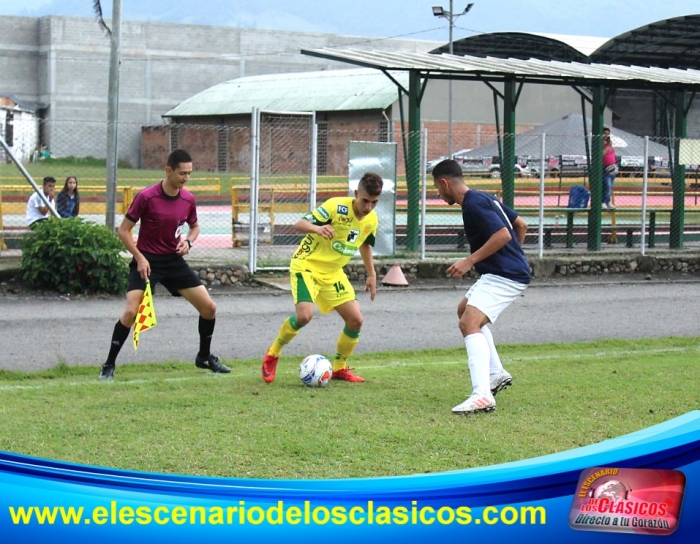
(315, 371)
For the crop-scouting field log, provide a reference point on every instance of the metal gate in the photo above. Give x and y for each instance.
(282, 183)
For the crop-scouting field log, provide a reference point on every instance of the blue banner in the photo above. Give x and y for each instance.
(527, 501)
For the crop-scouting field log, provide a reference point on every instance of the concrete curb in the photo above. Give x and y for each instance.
(576, 270)
(445, 284)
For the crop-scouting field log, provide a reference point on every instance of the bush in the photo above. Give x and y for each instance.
(73, 256)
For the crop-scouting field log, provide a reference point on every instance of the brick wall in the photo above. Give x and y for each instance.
(155, 147)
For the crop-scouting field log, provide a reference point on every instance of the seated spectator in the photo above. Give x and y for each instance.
(37, 210)
(68, 200)
(40, 153)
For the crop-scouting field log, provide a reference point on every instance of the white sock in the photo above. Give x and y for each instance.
(478, 359)
(495, 365)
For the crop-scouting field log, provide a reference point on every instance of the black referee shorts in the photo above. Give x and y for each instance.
(170, 270)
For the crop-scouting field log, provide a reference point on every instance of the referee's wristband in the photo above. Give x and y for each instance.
(189, 243)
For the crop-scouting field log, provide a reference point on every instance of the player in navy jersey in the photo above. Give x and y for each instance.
(495, 234)
(163, 210)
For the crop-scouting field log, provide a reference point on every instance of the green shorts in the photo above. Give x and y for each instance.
(327, 293)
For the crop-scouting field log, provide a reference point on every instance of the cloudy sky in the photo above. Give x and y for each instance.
(383, 18)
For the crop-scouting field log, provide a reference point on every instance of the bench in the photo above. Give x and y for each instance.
(435, 235)
(632, 227)
(569, 230)
(11, 233)
(567, 236)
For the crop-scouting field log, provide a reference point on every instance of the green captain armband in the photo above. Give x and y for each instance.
(311, 218)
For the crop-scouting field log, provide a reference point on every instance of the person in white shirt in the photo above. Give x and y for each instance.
(37, 210)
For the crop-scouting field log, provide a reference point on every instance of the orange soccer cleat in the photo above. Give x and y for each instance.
(345, 374)
(269, 368)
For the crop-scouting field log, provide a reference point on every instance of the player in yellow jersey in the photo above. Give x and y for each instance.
(334, 232)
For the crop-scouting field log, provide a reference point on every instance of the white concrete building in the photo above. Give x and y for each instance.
(19, 127)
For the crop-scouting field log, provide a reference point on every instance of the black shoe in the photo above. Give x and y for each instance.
(107, 372)
(211, 363)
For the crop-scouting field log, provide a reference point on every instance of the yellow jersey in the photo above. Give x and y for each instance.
(323, 256)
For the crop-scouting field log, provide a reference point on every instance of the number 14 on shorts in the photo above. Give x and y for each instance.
(339, 288)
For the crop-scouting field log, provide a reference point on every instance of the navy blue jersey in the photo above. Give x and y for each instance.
(483, 215)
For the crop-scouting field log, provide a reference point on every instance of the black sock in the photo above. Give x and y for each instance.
(119, 336)
(206, 331)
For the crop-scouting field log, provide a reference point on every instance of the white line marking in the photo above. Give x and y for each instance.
(393, 363)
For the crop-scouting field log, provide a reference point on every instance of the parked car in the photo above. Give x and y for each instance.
(634, 165)
(487, 166)
(455, 156)
(577, 165)
(567, 165)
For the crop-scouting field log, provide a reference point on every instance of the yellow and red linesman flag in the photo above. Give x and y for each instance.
(146, 316)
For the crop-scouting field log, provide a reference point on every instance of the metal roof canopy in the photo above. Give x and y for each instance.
(445, 66)
(334, 90)
(511, 72)
(526, 45)
(669, 43)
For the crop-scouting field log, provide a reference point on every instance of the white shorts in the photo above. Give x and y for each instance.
(492, 294)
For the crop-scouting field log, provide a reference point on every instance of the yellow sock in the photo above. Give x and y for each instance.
(346, 345)
(289, 329)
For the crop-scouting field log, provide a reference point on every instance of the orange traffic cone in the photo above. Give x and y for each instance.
(395, 277)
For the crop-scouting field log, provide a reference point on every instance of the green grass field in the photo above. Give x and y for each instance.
(174, 418)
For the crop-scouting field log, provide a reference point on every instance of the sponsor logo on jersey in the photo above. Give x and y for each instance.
(305, 246)
(322, 212)
(344, 220)
(342, 210)
(352, 235)
(340, 247)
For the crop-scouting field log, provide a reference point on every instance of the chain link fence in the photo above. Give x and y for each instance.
(300, 161)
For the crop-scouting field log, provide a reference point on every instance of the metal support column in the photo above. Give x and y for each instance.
(508, 158)
(595, 169)
(678, 175)
(413, 161)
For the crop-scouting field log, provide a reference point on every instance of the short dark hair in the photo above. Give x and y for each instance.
(178, 156)
(448, 168)
(372, 183)
(49, 179)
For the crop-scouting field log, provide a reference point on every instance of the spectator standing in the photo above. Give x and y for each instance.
(609, 169)
(68, 200)
(37, 210)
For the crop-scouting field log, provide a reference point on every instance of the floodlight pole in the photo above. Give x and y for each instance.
(450, 16)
